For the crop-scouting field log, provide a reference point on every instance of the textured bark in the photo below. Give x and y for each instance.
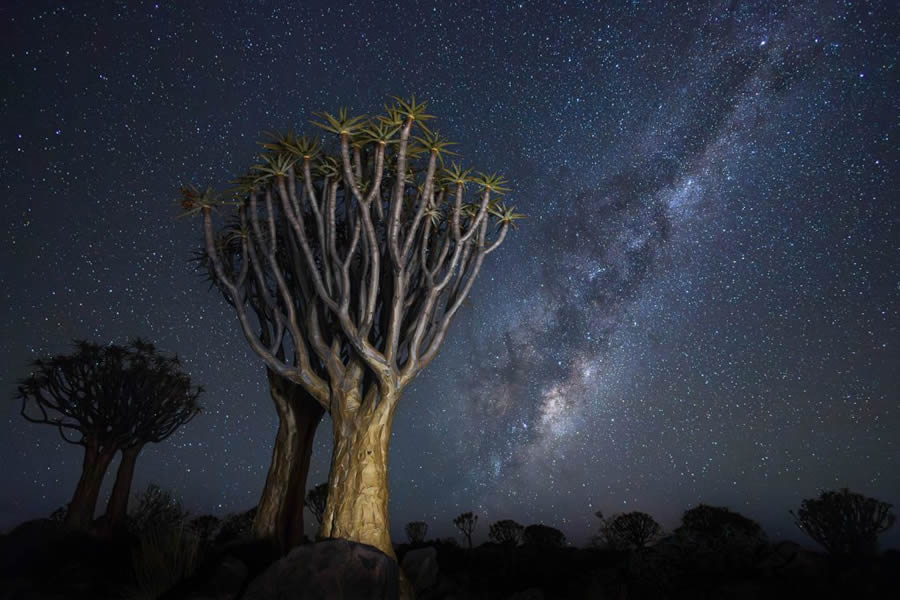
(357, 507)
(279, 515)
(117, 507)
(80, 513)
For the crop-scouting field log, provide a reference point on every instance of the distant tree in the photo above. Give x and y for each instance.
(466, 523)
(156, 508)
(416, 531)
(629, 530)
(363, 258)
(161, 401)
(719, 524)
(507, 532)
(844, 522)
(107, 399)
(544, 536)
(316, 499)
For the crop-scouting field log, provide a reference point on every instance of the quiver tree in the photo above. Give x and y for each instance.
(361, 259)
(160, 401)
(506, 532)
(279, 516)
(843, 522)
(466, 523)
(416, 531)
(96, 398)
(629, 530)
(316, 499)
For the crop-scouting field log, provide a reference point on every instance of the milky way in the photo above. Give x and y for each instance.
(700, 307)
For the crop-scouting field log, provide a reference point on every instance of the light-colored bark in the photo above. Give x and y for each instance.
(279, 514)
(357, 506)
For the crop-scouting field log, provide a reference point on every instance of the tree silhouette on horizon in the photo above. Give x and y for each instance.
(843, 522)
(466, 523)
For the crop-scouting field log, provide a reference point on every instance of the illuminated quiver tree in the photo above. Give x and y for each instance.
(360, 260)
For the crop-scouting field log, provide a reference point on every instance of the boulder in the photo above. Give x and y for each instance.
(421, 568)
(332, 569)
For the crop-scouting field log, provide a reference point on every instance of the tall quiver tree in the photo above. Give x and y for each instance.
(384, 247)
(92, 397)
(279, 515)
(158, 400)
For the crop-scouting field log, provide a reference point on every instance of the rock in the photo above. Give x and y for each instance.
(421, 568)
(332, 569)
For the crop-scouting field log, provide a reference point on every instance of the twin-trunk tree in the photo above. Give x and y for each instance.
(359, 262)
(108, 399)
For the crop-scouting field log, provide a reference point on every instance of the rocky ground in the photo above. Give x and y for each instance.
(38, 561)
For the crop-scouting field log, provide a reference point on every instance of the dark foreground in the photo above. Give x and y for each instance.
(39, 561)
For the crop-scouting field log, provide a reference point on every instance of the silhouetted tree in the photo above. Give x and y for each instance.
(506, 531)
(416, 531)
(108, 398)
(719, 524)
(844, 522)
(362, 260)
(156, 508)
(629, 530)
(315, 501)
(161, 400)
(466, 523)
(544, 536)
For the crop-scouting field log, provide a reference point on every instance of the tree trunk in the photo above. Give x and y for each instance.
(279, 515)
(80, 513)
(117, 507)
(357, 506)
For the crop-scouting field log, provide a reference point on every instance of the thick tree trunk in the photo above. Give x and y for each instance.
(80, 513)
(117, 507)
(279, 515)
(357, 506)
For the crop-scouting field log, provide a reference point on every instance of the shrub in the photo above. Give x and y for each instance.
(236, 526)
(416, 531)
(629, 530)
(165, 555)
(506, 532)
(156, 508)
(544, 536)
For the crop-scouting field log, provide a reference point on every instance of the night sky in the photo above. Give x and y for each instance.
(701, 307)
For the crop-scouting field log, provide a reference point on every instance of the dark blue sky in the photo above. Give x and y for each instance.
(701, 307)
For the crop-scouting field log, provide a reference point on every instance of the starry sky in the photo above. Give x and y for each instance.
(701, 306)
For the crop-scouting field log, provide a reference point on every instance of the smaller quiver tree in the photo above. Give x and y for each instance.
(844, 523)
(159, 399)
(416, 531)
(506, 532)
(466, 523)
(93, 397)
